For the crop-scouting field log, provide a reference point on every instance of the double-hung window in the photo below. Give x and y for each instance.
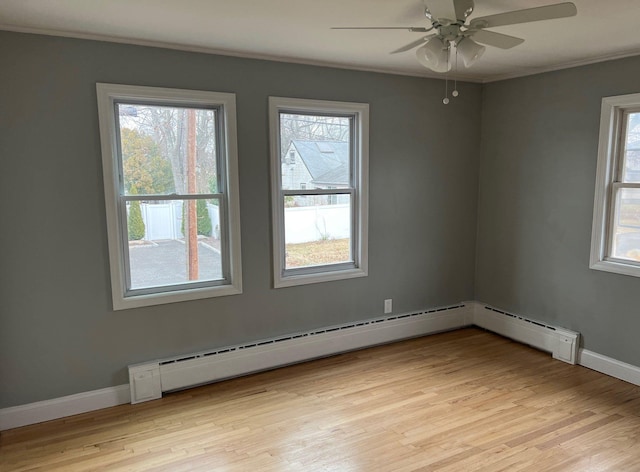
(319, 182)
(615, 243)
(171, 187)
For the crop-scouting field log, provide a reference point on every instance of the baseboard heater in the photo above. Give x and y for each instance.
(150, 379)
(562, 343)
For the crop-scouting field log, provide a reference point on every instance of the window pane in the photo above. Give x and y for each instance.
(167, 150)
(160, 237)
(632, 154)
(315, 151)
(317, 230)
(627, 225)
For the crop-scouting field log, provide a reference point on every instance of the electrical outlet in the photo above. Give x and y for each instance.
(388, 305)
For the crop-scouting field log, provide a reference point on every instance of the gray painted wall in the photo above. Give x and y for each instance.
(58, 333)
(537, 182)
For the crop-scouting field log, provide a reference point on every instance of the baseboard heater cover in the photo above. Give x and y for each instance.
(149, 380)
(562, 343)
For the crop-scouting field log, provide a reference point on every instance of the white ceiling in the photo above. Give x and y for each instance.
(299, 30)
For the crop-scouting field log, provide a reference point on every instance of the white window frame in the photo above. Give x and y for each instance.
(359, 192)
(608, 184)
(110, 94)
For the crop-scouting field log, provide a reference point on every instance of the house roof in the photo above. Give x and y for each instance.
(326, 161)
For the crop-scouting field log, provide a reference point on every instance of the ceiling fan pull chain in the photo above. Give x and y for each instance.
(445, 100)
(455, 78)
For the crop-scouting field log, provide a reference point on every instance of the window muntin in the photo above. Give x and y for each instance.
(616, 231)
(319, 190)
(171, 185)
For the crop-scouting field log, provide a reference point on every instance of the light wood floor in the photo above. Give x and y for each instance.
(460, 401)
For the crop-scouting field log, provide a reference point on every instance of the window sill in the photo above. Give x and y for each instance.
(137, 301)
(304, 279)
(616, 267)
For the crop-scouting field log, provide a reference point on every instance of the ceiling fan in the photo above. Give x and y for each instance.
(449, 21)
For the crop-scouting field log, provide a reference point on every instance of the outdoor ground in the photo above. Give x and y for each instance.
(164, 263)
(155, 263)
(318, 252)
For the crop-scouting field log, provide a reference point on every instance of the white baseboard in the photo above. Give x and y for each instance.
(16, 416)
(401, 328)
(472, 313)
(609, 366)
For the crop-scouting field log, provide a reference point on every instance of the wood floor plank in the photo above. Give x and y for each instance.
(458, 401)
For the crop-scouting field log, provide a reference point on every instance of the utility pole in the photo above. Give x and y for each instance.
(192, 219)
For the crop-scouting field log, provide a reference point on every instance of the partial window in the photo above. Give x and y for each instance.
(320, 198)
(615, 245)
(170, 174)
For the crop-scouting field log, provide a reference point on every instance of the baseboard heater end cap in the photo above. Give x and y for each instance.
(566, 346)
(144, 382)
(562, 343)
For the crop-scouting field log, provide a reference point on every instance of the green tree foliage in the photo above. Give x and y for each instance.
(202, 217)
(213, 188)
(204, 221)
(135, 224)
(144, 167)
(168, 127)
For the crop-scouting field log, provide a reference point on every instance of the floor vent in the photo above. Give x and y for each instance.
(148, 380)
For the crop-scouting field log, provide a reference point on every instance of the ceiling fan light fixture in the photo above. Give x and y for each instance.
(469, 50)
(434, 55)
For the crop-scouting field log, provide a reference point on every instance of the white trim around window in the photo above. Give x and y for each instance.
(611, 182)
(224, 197)
(347, 190)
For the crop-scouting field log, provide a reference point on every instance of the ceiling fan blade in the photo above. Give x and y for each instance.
(412, 44)
(463, 8)
(413, 29)
(549, 12)
(440, 9)
(498, 40)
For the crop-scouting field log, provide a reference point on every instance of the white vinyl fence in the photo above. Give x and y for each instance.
(313, 223)
(164, 220)
(302, 224)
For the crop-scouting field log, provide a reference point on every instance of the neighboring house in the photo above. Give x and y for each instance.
(316, 164)
(633, 165)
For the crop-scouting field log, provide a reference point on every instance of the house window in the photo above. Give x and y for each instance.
(615, 242)
(171, 188)
(320, 229)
